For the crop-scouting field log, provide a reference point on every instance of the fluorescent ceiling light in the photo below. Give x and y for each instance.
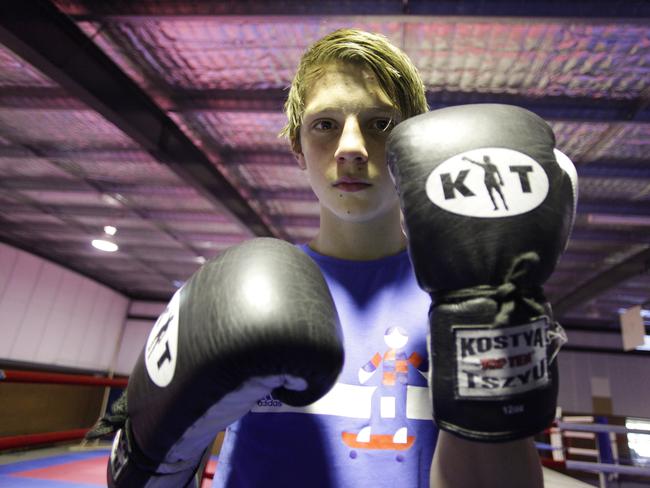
(110, 200)
(610, 219)
(103, 245)
(110, 230)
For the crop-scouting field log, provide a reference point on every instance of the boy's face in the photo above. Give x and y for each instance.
(346, 122)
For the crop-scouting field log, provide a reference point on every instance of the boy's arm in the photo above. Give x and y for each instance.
(460, 463)
(369, 369)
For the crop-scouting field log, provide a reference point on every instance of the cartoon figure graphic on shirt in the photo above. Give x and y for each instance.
(387, 429)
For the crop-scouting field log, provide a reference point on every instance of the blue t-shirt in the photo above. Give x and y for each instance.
(374, 428)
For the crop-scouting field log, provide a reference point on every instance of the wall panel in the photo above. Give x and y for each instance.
(15, 298)
(135, 337)
(627, 374)
(54, 316)
(141, 319)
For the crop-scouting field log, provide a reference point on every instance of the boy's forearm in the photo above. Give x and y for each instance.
(459, 463)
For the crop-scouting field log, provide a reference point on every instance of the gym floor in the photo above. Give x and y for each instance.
(62, 467)
(54, 468)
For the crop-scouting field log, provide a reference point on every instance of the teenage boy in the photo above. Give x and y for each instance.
(374, 428)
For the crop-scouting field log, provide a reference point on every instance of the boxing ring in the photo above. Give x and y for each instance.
(606, 462)
(17, 376)
(83, 464)
(88, 460)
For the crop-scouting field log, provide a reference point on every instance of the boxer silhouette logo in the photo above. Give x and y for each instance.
(160, 351)
(488, 182)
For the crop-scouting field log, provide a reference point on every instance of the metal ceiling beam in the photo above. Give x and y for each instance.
(615, 207)
(554, 107)
(584, 257)
(558, 108)
(62, 155)
(614, 9)
(272, 157)
(603, 326)
(299, 220)
(38, 97)
(267, 100)
(91, 185)
(615, 169)
(640, 109)
(126, 235)
(591, 324)
(59, 184)
(51, 42)
(72, 211)
(604, 350)
(635, 236)
(636, 264)
(295, 195)
(54, 183)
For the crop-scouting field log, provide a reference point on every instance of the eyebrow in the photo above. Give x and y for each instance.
(338, 108)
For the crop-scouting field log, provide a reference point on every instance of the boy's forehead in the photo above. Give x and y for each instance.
(345, 84)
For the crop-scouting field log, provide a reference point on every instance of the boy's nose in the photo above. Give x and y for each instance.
(352, 146)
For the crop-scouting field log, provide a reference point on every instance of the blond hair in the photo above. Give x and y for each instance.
(395, 73)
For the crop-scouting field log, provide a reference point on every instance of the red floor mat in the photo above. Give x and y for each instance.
(83, 471)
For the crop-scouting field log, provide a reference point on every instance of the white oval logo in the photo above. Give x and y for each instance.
(162, 344)
(488, 182)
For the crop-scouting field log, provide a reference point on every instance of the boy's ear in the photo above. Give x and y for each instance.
(297, 153)
(302, 164)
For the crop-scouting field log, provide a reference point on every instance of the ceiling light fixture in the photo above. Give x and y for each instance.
(104, 245)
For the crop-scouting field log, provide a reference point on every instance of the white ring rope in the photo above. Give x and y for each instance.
(607, 468)
(564, 428)
(619, 429)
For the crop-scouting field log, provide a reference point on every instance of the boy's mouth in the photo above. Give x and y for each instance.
(349, 184)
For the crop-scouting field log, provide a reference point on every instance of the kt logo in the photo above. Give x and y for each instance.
(514, 183)
(161, 350)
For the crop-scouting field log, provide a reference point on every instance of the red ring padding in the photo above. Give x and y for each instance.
(11, 442)
(15, 376)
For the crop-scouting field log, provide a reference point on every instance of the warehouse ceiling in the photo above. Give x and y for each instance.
(160, 118)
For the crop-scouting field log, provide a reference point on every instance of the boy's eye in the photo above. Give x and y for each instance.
(324, 125)
(383, 124)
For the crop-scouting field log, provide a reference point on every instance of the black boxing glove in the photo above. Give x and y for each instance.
(488, 207)
(257, 319)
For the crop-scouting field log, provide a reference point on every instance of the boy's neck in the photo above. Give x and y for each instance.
(359, 241)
